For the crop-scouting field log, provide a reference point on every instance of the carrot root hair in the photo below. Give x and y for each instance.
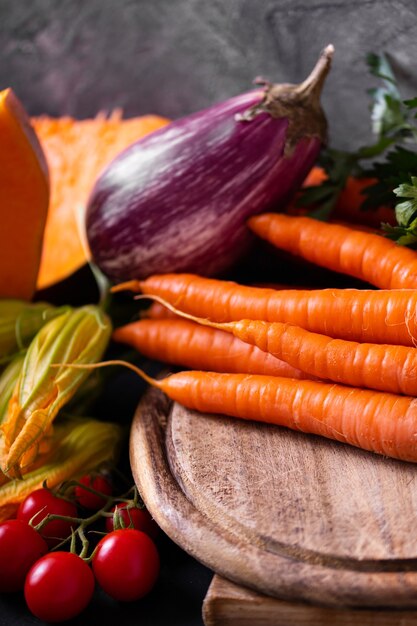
(92, 366)
(204, 321)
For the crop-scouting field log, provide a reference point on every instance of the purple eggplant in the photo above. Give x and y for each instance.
(178, 199)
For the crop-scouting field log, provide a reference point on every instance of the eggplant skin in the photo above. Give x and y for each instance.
(178, 200)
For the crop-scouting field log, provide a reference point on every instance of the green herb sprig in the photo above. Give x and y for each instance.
(405, 233)
(393, 124)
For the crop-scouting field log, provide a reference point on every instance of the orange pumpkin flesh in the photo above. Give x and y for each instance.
(24, 196)
(77, 151)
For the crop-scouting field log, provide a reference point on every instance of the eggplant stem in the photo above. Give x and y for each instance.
(312, 86)
(263, 82)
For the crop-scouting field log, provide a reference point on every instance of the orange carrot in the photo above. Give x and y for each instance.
(280, 286)
(187, 344)
(380, 422)
(375, 366)
(376, 421)
(374, 316)
(367, 256)
(158, 311)
(349, 203)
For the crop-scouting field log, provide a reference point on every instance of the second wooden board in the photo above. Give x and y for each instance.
(289, 515)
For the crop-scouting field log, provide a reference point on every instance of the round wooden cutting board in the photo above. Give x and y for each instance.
(289, 515)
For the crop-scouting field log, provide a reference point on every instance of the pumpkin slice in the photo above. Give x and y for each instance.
(77, 151)
(24, 197)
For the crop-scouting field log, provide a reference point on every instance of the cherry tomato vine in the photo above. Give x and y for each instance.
(51, 543)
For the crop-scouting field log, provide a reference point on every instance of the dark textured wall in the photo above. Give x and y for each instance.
(175, 56)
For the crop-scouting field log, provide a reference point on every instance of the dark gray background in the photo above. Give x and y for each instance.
(173, 57)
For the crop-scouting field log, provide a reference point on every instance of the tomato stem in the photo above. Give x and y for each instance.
(84, 542)
(130, 498)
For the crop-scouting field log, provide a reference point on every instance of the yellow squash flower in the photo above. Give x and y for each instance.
(45, 384)
(78, 446)
(8, 380)
(19, 323)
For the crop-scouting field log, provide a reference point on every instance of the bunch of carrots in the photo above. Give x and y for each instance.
(340, 363)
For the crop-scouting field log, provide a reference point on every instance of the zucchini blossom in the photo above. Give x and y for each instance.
(46, 383)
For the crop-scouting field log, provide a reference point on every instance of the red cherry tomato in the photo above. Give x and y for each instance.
(42, 502)
(58, 586)
(140, 518)
(90, 500)
(20, 546)
(126, 564)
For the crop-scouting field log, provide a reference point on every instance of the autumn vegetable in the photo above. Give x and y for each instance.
(338, 363)
(380, 422)
(85, 496)
(375, 316)
(362, 185)
(42, 502)
(59, 586)
(126, 564)
(19, 323)
(24, 185)
(351, 201)
(367, 256)
(8, 379)
(20, 547)
(179, 199)
(77, 151)
(180, 342)
(77, 336)
(374, 366)
(78, 446)
(157, 311)
(348, 206)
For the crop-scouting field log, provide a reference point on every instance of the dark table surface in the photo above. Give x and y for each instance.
(172, 57)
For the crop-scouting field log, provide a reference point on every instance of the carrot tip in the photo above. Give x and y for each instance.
(130, 285)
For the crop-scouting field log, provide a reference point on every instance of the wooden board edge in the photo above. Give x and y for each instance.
(228, 604)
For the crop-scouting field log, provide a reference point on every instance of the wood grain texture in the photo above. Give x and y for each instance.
(327, 501)
(288, 515)
(227, 604)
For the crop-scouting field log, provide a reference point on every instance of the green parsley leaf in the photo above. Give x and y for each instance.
(411, 104)
(392, 123)
(406, 212)
(380, 67)
(400, 163)
(322, 198)
(405, 233)
(389, 113)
